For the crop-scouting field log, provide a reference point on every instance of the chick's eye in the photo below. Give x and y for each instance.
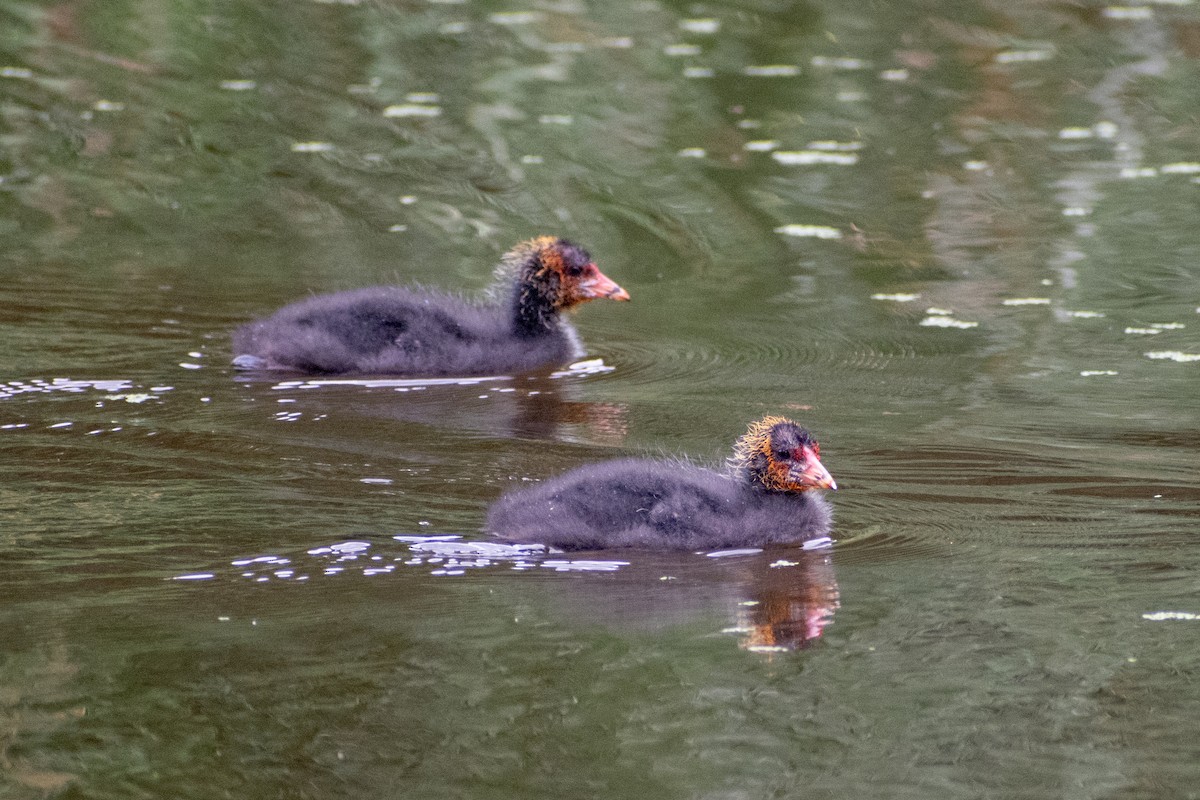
(782, 455)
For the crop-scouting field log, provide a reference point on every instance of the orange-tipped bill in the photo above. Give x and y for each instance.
(811, 473)
(598, 286)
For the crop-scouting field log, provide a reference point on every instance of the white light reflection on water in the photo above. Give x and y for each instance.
(945, 321)
(445, 554)
(1174, 355)
(593, 366)
(811, 157)
(809, 231)
(702, 26)
(68, 385)
(897, 297)
(772, 71)
(412, 110)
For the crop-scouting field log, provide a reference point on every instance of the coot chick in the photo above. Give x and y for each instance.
(764, 497)
(394, 330)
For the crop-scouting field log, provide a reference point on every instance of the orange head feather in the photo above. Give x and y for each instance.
(779, 455)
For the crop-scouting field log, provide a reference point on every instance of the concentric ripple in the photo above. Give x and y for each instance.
(952, 497)
(740, 360)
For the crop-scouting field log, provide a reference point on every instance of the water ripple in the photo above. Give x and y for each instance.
(955, 497)
(735, 360)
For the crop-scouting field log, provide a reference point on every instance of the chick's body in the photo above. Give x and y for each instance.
(395, 330)
(764, 498)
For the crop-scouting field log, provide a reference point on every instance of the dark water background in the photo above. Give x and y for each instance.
(1012, 605)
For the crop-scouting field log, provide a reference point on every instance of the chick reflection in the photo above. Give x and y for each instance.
(538, 406)
(775, 601)
(794, 599)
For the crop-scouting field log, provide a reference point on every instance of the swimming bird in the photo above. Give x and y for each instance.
(394, 330)
(764, 496)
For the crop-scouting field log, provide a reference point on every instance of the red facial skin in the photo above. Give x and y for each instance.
(586, 283)
(796, 470)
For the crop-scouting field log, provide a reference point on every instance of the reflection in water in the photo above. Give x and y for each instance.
(534, 406)
(772, 600)
(775, 600)
(68, 386)
(792, 603)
